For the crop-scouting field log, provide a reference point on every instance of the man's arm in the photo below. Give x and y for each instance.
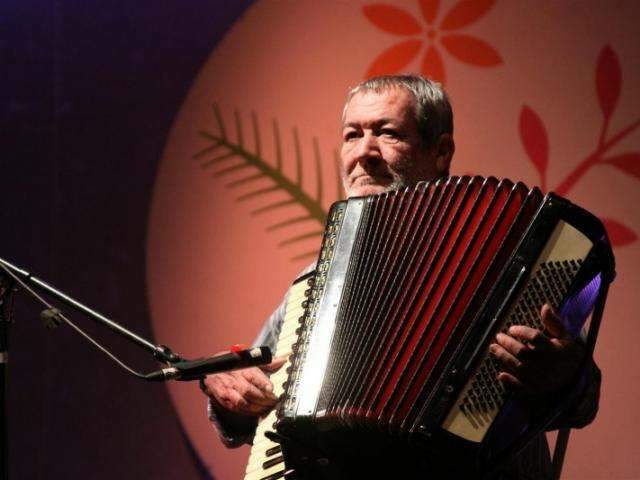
(238, 398)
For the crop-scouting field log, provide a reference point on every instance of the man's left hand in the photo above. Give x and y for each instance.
(537, 362)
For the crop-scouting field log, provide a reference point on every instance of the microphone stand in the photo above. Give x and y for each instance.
(179, 368)
(5, 319)
(26, 279)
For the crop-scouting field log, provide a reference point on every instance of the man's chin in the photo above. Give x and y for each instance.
(365, 187)
(369, 189)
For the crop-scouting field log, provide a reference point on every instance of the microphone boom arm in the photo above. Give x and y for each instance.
(178, 368)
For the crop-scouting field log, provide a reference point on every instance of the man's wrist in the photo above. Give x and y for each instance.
(583, 397)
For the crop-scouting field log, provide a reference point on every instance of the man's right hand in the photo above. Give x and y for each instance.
(247, 392)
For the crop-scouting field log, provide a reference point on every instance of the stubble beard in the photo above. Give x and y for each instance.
(398, 183)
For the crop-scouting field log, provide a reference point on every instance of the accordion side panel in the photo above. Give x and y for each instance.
(482, 396)
(340, 358)
(287, 410)
(266, 457)
(311, 376)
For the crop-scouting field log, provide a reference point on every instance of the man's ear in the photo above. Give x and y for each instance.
(445, 148)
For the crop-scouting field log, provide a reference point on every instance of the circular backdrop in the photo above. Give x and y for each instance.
(249, 168)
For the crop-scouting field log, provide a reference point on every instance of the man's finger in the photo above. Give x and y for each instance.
(532, 336)
(258, 378)
(511, 382)
(217, 382)
(506, 359)
(513, 346)
(254, 395)
(232, 400)
(552, 322)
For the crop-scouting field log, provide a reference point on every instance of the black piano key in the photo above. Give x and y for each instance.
(274, 476)
(273, 461)
(273, 450)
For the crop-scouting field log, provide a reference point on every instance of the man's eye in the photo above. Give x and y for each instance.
(350, 136)
(387, 132)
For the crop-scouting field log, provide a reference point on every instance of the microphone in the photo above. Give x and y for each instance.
(196, 369)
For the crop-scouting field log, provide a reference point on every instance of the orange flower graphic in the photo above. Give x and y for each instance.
(466, 48)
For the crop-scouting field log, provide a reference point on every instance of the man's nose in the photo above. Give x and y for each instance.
(367, 150)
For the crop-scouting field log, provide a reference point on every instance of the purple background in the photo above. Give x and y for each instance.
(90, 91)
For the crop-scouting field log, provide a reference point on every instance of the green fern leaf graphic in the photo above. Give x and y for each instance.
(223, 157)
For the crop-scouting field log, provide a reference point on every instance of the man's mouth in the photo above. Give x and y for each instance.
(371, 180)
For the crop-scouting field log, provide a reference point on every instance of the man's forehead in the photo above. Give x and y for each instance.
(384, 104)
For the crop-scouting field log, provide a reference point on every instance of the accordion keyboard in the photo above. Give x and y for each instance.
(266, 461)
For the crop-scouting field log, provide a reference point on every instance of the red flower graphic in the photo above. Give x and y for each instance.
(466, 48)
(535, 140)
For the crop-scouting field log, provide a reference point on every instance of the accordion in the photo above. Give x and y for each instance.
(410, 288)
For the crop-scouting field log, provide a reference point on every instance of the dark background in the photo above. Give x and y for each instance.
(89, 93)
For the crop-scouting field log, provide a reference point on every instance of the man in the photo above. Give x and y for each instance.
(397, 131)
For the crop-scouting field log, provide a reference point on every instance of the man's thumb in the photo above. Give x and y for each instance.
(275, 365)
(552, 322)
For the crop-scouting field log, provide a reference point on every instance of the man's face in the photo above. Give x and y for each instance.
(381, 147)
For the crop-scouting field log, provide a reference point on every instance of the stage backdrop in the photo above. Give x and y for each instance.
(226, 206)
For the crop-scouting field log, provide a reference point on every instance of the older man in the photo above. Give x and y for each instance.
(397, 131)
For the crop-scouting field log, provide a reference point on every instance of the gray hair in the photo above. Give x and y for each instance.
(433, 110)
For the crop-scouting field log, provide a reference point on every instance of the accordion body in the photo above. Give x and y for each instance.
(410, 288)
